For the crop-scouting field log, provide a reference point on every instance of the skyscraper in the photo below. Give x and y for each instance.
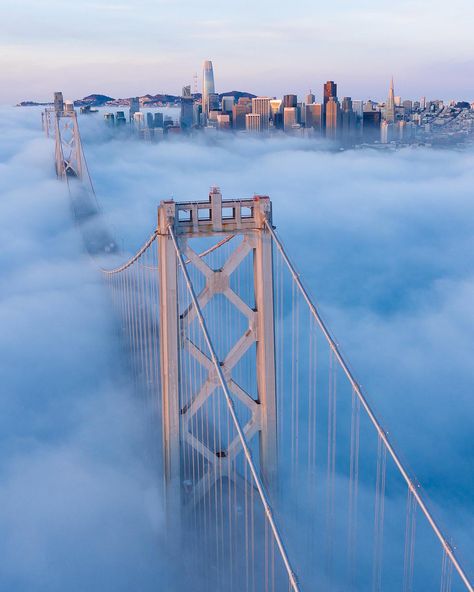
(239, 112)
(134, 107)
(333, 118)
(186, 118)
(253, 122)
(289, 101)
(310, 98)
(261, 106)
(315, 117)
(330, 90)
(289, 117)
(390, 108)
(371, 126)
(227, 104)
(207, 86)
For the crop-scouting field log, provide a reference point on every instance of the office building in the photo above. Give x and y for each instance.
(329, 90)
(253, 122)
(138, 120)
(227, 104)
(348, 120)
(384, 128)
(239, 112)
(333, 119)
(315, 118)
(371, 126)
(289, 118)
(134, 107)
(120, 118)
(223, 121)
(158, 120)
(207, 86)
(187, 109)
(109, 119)
(261, 106)
(310, 98)
(150, 121)
(290, 101)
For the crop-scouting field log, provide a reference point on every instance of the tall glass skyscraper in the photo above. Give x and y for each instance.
(207, 86)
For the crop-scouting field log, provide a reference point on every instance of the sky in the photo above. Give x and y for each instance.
(268, 47)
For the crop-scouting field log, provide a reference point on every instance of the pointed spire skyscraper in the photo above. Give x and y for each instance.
(390, 108)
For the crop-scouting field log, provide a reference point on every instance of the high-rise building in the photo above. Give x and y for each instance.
(158, 120)
(348, 120)
(390, 107)
(289, 117)
(398, 101)
(239, 112)
(120, 118)
(329, 90)
(261, 106)
(150, 121)
(109, 119)
(58, 101)
(333, 119)
(253, 122)
(384, 127)
(138, 119)
(358, 108)
(315, 118)
(371, 126)
(289, 101)
(310, 98)
(187, 112)
(134, 107)
(207, 86)
(223, 121)
(408, 106)
(227, 104)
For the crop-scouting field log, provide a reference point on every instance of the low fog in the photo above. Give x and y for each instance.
(384, 241)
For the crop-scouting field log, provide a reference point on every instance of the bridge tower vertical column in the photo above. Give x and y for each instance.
(169, 358)
(266, 382)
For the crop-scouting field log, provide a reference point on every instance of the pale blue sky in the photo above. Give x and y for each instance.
(267, 47)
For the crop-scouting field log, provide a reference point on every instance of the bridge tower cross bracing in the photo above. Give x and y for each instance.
(68, 149)
(246, 218)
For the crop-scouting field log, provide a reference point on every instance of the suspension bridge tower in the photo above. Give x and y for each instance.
(244, 220)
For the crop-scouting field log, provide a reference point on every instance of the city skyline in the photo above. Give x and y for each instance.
(122, 50)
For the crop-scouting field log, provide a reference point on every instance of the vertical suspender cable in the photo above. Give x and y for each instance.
(381, 432)
(247, 453)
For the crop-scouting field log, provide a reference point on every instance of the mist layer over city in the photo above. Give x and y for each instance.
(383, 243)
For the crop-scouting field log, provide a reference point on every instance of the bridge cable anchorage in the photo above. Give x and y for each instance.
(370, 413)
(230, 404)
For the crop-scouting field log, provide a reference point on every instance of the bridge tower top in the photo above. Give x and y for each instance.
(214, 216)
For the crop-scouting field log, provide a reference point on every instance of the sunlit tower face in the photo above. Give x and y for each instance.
(207, 85)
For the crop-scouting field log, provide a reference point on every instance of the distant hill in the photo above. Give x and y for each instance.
(93, 101)
(237, 94)
(98, 100)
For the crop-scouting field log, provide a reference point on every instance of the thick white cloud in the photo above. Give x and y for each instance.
(384, 243)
